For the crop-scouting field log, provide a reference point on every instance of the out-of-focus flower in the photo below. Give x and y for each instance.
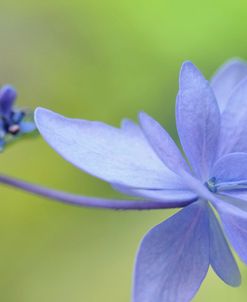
(143, 160)
(14, 122)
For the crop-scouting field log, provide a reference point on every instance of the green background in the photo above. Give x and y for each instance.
(98, 60)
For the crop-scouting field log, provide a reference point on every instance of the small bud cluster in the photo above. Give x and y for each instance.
(14, 122)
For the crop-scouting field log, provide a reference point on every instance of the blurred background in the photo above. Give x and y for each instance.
(98, 60)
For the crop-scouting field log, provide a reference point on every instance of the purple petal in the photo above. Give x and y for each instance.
(162, 144)
(198, 119)
(234, 221)
(118, 156)
(221, 258)
(237, 198)
(173, 258)
(231, 168)
(226, 79)
(233, 130)
(7, 98)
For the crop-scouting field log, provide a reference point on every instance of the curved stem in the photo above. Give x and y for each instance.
(90, 202)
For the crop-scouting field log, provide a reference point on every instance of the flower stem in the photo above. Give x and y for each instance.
(90, 202)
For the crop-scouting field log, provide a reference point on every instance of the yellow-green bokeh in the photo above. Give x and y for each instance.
(99, 60)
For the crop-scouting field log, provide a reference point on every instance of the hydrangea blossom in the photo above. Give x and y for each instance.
(13, 121)
(142, 160)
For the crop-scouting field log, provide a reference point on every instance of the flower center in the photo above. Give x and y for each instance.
(211, 185)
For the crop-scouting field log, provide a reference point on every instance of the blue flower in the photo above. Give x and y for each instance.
(143, 160)
(13, 122)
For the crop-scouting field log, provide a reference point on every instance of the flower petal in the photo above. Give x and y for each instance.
(234, 221)
(233, 122)
(162, 143)
(198, 119)
(173, 258)
(115, 155)
(221, 258)
(226, 79)
(230, 168)
(237, 198)
(7, 98)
